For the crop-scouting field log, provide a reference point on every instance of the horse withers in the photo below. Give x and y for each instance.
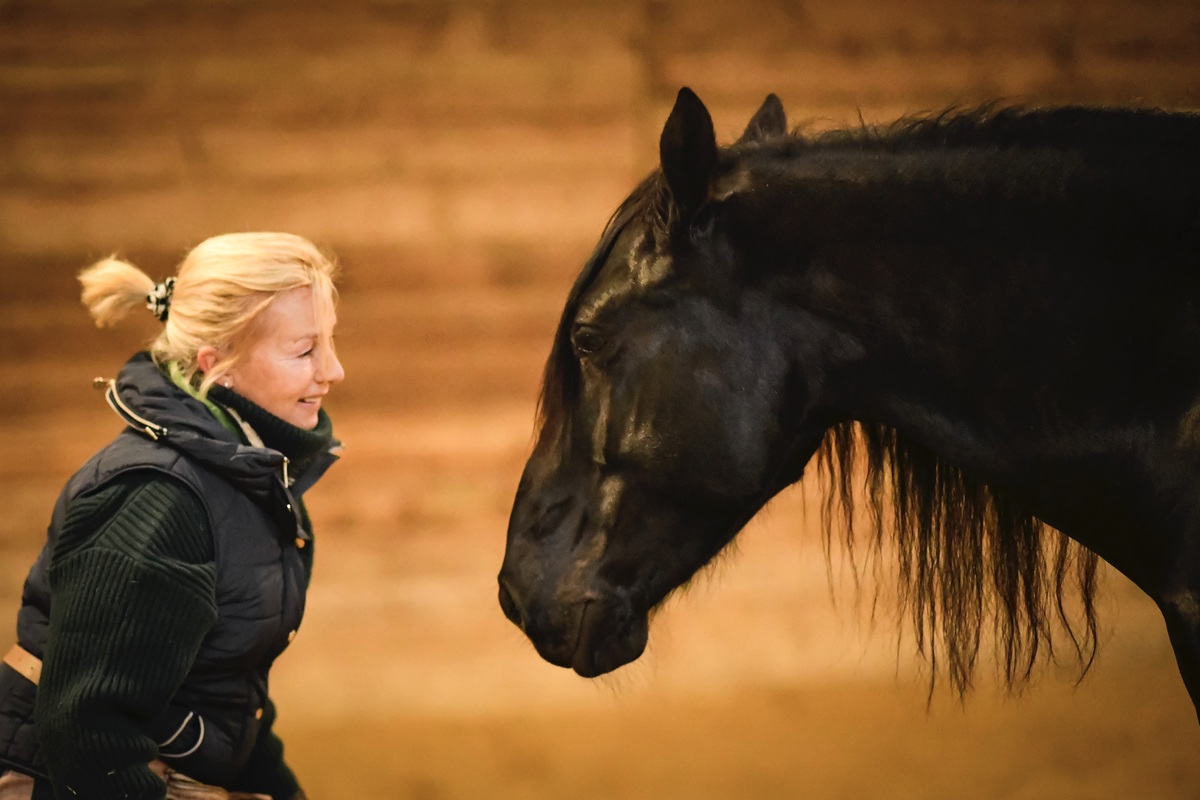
(992, 313)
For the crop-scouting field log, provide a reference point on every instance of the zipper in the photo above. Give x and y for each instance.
(151, 429)
(155, 432)
(302, 535)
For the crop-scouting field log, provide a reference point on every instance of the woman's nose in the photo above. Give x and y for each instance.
(331, 369)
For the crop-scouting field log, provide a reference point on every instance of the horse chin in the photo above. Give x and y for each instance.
(608, 638)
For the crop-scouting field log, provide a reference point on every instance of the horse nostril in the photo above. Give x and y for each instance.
(509, 606)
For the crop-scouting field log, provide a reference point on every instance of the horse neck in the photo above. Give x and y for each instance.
(982, 305)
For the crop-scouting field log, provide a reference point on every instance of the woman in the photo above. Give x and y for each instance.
(178, 557)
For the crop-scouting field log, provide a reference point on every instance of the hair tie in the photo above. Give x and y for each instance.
(159, 298)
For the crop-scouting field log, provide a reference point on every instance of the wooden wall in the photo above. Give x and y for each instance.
(480, 137)
(461, 157)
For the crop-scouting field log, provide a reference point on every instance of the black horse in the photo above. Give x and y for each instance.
(995, 314)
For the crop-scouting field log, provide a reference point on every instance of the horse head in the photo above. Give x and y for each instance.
(673, 409)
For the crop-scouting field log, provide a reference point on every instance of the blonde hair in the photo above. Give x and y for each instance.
(221, 288)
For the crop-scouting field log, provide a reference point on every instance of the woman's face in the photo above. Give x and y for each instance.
(289, 366)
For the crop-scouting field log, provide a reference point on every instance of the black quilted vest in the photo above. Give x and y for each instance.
(263, 564)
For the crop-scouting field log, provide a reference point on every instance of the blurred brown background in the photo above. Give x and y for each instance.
(461, 158)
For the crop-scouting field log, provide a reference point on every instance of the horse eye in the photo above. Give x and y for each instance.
(586, 341)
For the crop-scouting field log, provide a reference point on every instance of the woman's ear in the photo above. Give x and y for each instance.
(207, 358)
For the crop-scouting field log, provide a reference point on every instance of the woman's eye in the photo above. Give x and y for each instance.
(586, 341)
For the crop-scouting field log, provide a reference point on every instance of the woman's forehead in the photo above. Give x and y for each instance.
(300, 312)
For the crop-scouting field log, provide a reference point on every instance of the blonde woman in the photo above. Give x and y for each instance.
(178, 557)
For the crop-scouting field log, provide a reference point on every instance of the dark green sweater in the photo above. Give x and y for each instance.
(133, 581)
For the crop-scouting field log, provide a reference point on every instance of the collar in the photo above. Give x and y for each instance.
(298, 444)
(149, 401)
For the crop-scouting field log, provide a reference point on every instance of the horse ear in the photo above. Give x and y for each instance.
(688, 149)
(769, 121)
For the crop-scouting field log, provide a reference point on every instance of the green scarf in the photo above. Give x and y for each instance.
(175, 373)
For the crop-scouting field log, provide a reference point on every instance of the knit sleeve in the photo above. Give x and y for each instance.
(132, 584)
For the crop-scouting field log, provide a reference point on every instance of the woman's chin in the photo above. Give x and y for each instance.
(305, 415)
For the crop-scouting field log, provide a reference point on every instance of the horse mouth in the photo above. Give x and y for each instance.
(606, 641)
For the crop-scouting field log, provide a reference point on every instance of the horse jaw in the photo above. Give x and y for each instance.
(583, 579)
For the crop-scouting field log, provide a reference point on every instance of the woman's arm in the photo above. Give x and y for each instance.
(132, 596)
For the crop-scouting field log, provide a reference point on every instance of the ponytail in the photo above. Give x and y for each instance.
(112, 288)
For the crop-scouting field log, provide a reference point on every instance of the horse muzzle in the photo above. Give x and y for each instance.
(589, 632)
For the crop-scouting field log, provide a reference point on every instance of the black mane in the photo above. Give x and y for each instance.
(1090, 129)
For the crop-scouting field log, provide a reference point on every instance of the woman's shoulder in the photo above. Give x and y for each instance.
(144, 513)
